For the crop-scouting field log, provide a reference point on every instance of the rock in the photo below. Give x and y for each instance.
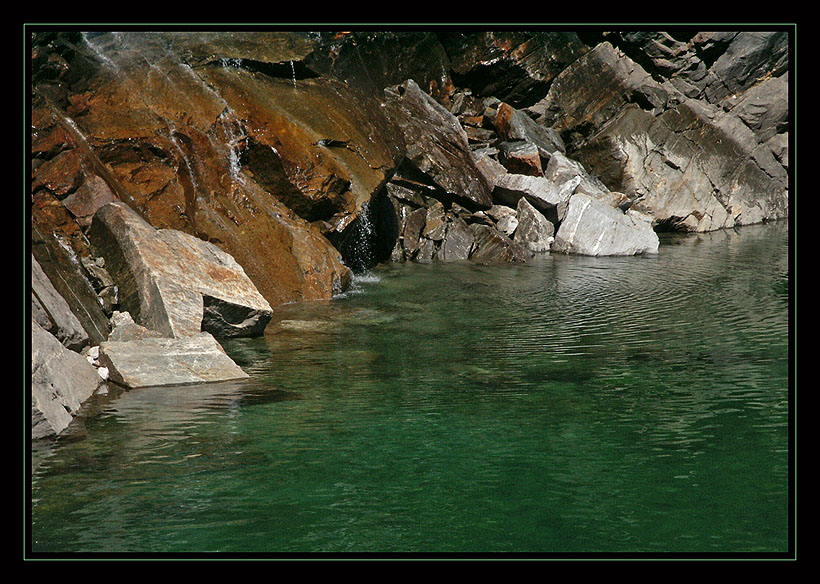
(521, 157)
(592, 227)
(458, 242)
(52, 312)
(59, 262)
(61, 380)
(506, 219)
(168, 361)
(492, 246)
(515, 66)
(173, 282)
(488, 166)
(437, 145)
(765, 107)
(561, 170)
(125, 329)
(534, 231)
(90, 196)
(515, 125)
(539, 191)
(435, 226)
(416, 221)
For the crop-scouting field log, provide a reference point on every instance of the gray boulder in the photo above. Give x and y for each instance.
(61, 380)
(145, 362)
(592, 227)
(174, 283)
(458, 242)
(539, 191)
(534, 231)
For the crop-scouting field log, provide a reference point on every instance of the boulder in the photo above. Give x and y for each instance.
(539, 191)
(592, 227)
(506, 218)
(458, 242)
(516, 125)
(52, 312)
(521, 157)
(150, 361)
(534, 231)
(437, 145)
(174, 283)
(61, 380)
(492, 246)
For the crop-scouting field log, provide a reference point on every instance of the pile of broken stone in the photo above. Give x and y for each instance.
(540, 200)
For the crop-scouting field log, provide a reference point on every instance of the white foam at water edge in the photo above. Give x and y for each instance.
(366, 278)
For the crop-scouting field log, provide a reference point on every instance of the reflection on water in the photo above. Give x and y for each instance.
(573, 405)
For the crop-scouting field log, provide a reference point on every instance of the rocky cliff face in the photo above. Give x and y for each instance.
(274, 164)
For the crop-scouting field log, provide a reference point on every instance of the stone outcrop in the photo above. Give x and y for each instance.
(175, 283)
(697, 159)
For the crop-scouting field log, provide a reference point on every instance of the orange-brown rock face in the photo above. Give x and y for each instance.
(227, 137)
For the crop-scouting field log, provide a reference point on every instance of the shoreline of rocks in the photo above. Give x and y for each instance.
(183, 184)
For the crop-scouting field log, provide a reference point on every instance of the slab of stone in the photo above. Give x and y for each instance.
(149, 362)
(458, 242)
(52, 312)
(175, 283)
(592, 227)
(534, 231)
(437, 144)
(542, 193)
(492, 246)
(61, 380)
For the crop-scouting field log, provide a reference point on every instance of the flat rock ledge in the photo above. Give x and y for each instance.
(153, 361)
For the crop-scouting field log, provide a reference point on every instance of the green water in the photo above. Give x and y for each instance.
(593, 405)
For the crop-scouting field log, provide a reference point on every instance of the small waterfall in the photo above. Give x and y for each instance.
(293, 70)
(370, 239)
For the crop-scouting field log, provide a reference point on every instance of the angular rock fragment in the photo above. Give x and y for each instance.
(592, 227)
(506, 218)
(492, 246)
(521, 157)
(458, 242)
(150, 361)
(52, 312)
(61, 380)
(539, 191)
(534, 231)
(175, 283)
(437, 144)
